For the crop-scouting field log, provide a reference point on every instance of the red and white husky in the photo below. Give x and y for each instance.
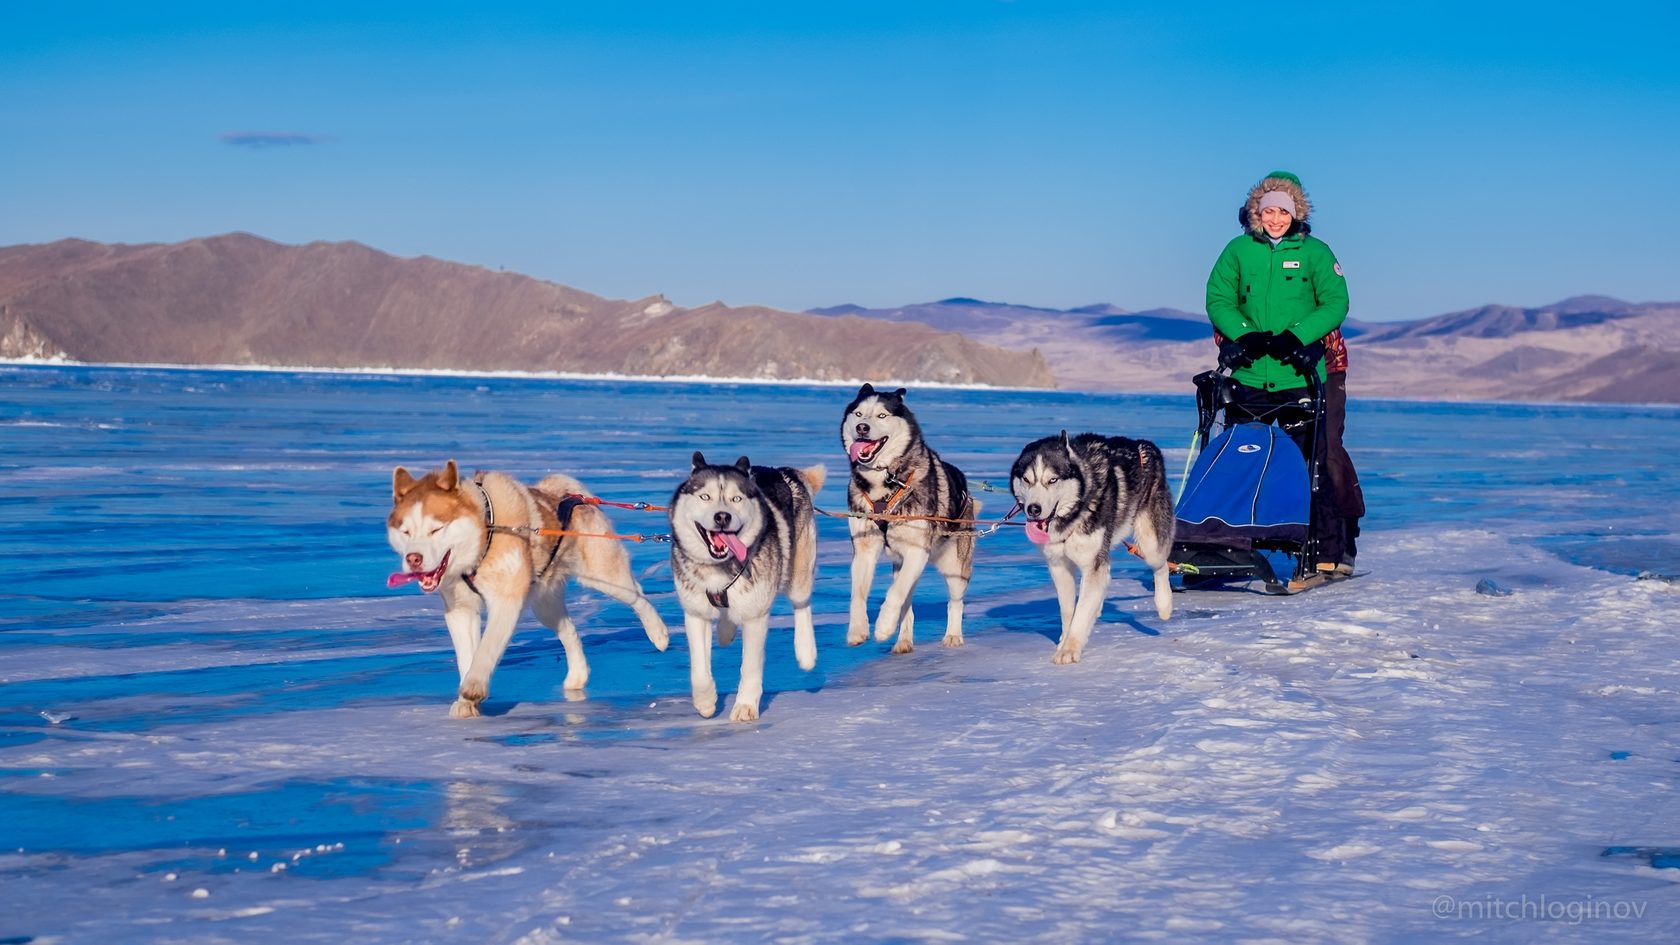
(478, 543)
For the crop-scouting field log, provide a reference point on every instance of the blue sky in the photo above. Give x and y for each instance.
(807, 154)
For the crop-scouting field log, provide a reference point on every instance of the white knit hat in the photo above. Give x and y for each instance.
(1280, 199)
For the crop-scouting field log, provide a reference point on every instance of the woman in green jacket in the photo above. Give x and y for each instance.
(1277, 291)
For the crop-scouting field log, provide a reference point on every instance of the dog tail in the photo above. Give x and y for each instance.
(813, 477)
(560, 484)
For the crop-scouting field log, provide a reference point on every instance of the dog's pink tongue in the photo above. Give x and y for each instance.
(859, 447)
(399, 578)
(1037, 533)
(736, 548)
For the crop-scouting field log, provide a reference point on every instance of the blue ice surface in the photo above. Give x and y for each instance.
(237, 512)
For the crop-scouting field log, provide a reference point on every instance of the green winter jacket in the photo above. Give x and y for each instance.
(1295, 286)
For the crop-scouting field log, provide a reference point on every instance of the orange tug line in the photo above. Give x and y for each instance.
(872, 516)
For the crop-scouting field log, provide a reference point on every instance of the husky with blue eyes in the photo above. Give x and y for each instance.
(741, 534)
(1082, 497)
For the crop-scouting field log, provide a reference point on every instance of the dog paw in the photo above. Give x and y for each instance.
(807, 661)
(744, 711)
(660, 640)
(952, 639)
(904, 645)
(705, 703)
(463, 709)
(575, 682)
(473, 690)
(884, 631)
(1064, 656)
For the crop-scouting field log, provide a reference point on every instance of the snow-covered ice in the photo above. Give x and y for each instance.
(217, 725)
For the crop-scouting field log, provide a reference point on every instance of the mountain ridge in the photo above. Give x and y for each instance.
(1588, 348)
(240, 299)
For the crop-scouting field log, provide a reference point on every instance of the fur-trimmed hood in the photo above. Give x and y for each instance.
(1249, 215)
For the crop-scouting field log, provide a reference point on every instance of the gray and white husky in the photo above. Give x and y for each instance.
(924, 510)
(1082, 496)
(739, 535)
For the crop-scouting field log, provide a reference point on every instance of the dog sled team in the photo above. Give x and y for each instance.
(742, 534)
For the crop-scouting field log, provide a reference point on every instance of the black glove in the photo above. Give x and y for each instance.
(1255, 343)
(1282, 345)
(1305, 358)
(1232, 356)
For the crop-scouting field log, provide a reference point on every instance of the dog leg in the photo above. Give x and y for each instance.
(801, 582)
(754, 633)
(624, 589)
(499, 621)
(906, 572)
(955, 586)
(950, 561)
(906, 632)
(550, 608)
(1093, 587)
(725, 629)
(462, 622)
(1155, 554)
(1062, 575)
(866, 553)
(1163, 593)
(704, 688)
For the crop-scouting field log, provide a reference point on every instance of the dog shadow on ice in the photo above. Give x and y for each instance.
(1042, 617)
(626, 673)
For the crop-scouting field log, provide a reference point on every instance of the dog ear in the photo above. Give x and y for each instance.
(449, 477)
(1064, 438)
(865, 390)
(743, 464)
(699, 460)
(401, 483)
(900, 393)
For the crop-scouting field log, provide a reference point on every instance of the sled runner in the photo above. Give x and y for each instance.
(1244, 510)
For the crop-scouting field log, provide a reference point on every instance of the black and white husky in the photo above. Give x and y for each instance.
(924, 514)
(1082, 496)
(740, 534)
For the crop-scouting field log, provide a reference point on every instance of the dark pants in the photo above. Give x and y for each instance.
(1338, 502)
(1338, 467)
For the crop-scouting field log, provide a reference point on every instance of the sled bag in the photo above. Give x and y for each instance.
(1250, 483)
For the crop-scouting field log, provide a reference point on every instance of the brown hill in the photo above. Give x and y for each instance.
(240, 299)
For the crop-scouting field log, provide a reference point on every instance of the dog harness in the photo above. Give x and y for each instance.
(489, 529)
(562, 512)
(720, 598)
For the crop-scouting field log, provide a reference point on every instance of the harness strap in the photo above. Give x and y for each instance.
(489, 529)
(562, 514)
(720, 598)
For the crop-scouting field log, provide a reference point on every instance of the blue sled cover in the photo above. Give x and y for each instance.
(1249, 484)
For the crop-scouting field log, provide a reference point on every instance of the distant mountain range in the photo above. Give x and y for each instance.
(1588, 348)
(243, 300)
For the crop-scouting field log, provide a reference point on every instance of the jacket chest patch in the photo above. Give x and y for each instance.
(1291, 264)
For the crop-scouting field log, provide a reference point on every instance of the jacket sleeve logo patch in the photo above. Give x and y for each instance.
(1338, 268)
(1291, 264)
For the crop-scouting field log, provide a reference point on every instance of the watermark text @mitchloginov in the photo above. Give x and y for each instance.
(1541, 908)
